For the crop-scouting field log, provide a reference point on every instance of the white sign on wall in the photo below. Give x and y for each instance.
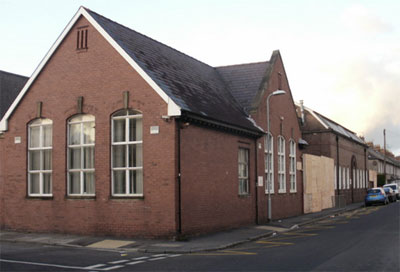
(154, 129)
(260, 181)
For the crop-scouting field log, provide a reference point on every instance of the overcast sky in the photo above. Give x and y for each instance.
(342, 57)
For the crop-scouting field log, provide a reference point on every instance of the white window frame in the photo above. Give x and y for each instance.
(281, 165)
(340, 178)
(243, 179)
(81, 170)
(41, 123)
(334, 179)
(269, 154)
(126, 143)
(292, 166)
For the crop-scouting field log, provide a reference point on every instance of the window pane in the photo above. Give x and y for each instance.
(74, 134)
(34, 137)
(88, 157)
(119, 182)
(135, 129)
(121, 113)
(135, 155)
(47, 159)
(241, 155)
(34, 160)
(88, 133)
(135, 182)
(242, 170)
(119, 131)
(119, 155)
(87, 117)
(75, 158)
(47, 136)
(46, 183)
(88, 186)
(74, 183)
(34, 185)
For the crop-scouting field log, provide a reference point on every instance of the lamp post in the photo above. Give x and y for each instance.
(277, 92)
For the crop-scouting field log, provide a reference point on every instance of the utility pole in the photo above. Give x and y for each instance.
(384, 152)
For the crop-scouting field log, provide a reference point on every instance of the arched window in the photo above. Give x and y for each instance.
(269, 163)
(81, 141)
(281, 165)
(40, 145)
(127, 153)
(292, 166)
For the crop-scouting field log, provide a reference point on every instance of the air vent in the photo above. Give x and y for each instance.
(82, 38)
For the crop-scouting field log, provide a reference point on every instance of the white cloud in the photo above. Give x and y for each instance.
(360, 18)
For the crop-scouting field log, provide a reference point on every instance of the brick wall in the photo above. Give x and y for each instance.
(283, 121)
(323, 143)
(210, 185)
(101, 76)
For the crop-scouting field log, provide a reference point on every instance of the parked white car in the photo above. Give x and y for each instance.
(395, 188)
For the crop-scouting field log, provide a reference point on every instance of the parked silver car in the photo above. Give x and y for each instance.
(395, 188)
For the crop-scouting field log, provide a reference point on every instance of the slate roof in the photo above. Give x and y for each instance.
(331, 125)
(244, 80)
(10, 86)
(340, 129)
(193, 85)
(375, 155)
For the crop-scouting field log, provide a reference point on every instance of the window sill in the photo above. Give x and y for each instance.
(281, 192)
(80, 197)
(293, 192)
(125, 197)
(81, 50)
(270, 192)
(244, 196)
(40, 197)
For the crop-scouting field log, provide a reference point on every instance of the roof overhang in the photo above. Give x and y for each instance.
(218, 125)
(173, 108)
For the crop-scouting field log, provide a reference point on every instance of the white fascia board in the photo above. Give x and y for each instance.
(173, 108)
(4, 121)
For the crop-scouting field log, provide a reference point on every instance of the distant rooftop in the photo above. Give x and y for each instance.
(10, 86)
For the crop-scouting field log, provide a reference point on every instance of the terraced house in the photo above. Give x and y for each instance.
(116, 133)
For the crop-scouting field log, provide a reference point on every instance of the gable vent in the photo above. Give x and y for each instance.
(82, 38)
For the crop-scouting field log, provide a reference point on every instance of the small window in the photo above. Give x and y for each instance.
(81, 140)
(269, 163)
(292, 166)
(40, 157)
(243, 167)
(281, 165)
(126, 153)
(82, 39)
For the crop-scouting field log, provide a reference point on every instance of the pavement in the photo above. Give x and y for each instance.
(209, 242)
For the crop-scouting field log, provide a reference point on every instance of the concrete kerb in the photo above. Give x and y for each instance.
(194, 250)
(206, 249)
(337, 212)
(254, 238)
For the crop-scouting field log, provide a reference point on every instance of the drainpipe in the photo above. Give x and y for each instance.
(179, 180)
(366, 169)
(337, 165)
(256, 177)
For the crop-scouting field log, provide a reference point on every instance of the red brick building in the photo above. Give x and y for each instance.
(116, 133)
(330, 139)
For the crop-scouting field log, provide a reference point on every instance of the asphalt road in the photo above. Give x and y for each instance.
(366, 239)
